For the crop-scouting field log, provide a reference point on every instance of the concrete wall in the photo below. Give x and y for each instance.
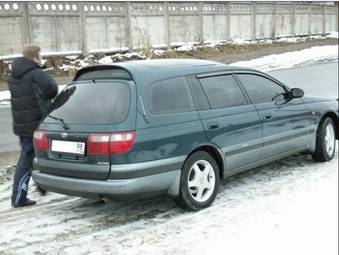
(87, 27)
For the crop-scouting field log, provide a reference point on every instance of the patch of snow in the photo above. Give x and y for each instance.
(81, 63)
(333, 34)
(186, 47)
(5, 95)
(134, 55)
(105, 60)
(159, 52)
(72, 57)
(291, 59)
(65, 67)
(291, 39)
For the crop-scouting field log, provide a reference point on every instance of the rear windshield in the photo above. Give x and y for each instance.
(93, 103)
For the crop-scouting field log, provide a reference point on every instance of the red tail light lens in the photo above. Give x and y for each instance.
(110, 143)
(40, 140)
(98, 144)
(121, 142)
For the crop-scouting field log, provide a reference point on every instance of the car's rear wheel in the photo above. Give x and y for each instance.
(325, 141)
(199, 182)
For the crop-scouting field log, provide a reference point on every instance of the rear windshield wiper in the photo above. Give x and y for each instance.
(63, 124)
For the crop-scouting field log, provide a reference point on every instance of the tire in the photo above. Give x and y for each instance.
(199, 182)
(325, 141)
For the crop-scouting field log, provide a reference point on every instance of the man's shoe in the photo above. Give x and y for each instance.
(27, 202)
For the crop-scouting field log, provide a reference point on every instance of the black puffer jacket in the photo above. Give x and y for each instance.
(25, 108)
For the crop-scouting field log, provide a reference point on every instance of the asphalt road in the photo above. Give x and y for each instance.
(317, 80)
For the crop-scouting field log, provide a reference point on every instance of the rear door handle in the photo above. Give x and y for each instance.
(213, 125)
(268, 116)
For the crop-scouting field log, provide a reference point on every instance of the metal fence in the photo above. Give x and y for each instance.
(62, 28)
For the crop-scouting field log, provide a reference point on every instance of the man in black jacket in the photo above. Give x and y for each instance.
(27, 114)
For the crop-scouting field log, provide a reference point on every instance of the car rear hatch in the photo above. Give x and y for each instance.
(90, 120)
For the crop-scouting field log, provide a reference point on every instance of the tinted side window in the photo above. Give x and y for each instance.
(261, 89)
(223, 91)
(171, 95)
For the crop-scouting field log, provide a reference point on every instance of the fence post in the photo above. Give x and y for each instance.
(83, 33)
(274, 23)
(324, 20)
(201, 32)
(228, 22)
(129, 27)
(336, 6)
(253, 14)
(26, 24)
(167, 25)
(293, 19)
(56, 34)
(309, 19)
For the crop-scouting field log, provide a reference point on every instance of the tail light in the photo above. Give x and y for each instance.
(110, 143)
(40, 140)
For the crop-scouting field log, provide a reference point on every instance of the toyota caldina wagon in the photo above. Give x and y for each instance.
(141, 128)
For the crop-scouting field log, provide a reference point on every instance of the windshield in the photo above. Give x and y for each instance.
(104, 102)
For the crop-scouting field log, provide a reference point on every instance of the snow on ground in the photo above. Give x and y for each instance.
(292, 59)
(333, 34)
(287, 207)
(267, 63)
(191, 46)
(5, 97)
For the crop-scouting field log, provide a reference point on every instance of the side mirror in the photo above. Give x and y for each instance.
(296, 93)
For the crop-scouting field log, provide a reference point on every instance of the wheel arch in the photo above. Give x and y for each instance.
(335, 119)
(215, 152)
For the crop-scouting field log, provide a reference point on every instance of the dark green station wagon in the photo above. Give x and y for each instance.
(141, 128)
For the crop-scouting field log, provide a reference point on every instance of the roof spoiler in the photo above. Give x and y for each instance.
(102, 72)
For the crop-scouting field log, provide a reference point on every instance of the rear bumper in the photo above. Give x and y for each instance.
(122, 189)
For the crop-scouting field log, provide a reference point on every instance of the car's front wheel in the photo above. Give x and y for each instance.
(325, 141)
(199, 182)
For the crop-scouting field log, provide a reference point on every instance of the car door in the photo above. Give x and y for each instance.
(229, 121)
(286, 122)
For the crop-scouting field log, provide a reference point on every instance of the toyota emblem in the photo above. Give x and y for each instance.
(63, 135)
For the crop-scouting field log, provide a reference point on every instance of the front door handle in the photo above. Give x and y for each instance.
(268, 116)
(213, 125)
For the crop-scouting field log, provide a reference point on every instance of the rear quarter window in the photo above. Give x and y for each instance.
(170, 96)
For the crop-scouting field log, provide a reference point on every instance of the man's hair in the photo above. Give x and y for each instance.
(31, 51)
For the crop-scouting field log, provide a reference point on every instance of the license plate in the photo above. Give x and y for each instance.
(68, 147)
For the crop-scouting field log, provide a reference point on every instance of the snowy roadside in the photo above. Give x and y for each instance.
(267, 63)
(292, 59)
(286, 207)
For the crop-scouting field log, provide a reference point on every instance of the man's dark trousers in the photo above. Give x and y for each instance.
(23, 170)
